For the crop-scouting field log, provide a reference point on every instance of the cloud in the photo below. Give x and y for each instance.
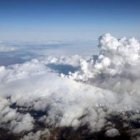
(5, 47)
(112, 132)
(38, 94)
(115, 54)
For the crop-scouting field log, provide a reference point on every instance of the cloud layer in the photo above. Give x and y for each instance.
(73, 91)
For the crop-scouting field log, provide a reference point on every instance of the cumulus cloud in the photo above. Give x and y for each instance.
(36, 95)
(112, 132)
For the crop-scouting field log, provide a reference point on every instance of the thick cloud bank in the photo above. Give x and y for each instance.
(99, 92)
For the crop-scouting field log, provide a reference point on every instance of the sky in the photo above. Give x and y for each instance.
(61, 20)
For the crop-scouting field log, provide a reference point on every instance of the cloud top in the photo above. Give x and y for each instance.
(90, 92)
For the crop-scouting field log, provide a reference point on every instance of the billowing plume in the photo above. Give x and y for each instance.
(115, 57)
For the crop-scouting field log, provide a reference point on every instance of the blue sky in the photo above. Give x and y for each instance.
(42, 20)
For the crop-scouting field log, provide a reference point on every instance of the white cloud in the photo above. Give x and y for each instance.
(112, 132)
(90, 94)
